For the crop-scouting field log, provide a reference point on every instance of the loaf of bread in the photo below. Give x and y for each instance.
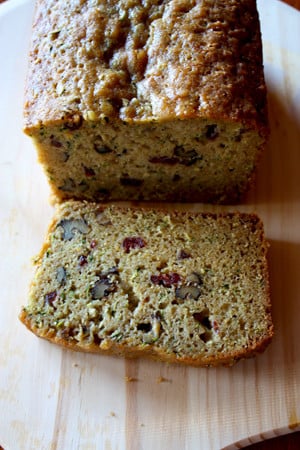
(147, 100)
(175, 286)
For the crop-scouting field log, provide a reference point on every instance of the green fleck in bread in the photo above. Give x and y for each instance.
(175, 286)
(148, 100)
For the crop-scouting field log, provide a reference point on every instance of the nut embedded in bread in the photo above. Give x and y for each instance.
(179, 287)
(160, 100)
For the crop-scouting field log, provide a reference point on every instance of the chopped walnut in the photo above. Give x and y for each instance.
(70, 226)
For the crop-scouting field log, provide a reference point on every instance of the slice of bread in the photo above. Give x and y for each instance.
(161, 101)
(176, 286)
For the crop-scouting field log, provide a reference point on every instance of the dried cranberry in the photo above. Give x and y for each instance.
(215, 326)
(133, 242)
(89, 172)
(93, 243)
(82, 260)
(50, 297)
(182, 254)
(166, 279)
(55, 143)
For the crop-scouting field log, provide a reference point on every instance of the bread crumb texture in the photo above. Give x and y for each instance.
(178, 287)
(123, 96)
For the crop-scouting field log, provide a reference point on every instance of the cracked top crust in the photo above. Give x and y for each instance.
(141, 60)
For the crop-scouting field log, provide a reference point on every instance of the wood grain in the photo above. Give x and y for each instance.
(289, 441)
(55, 399)
(294, 3)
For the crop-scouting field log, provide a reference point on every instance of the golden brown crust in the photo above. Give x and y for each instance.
(150, 60)
(157, 354)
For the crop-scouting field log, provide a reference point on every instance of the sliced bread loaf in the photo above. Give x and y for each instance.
(176, 286)
(147, 100)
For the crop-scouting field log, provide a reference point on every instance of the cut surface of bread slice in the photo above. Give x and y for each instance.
(182, 287)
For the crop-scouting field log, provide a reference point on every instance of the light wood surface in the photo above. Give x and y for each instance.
(54, 399)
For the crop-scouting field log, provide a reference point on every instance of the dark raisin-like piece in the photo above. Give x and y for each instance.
(134, 182)
(55, 143)
(166, 279)
(88, 171)
(93, 243)
(133, 242)
(182, 254)
(211, 131)
(82, 260)
(50, 298)
(215, 326)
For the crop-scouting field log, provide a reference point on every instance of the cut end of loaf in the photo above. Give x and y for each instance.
(210, 160)
(177, 287)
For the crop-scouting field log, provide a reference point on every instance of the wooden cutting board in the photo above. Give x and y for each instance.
(55, 399)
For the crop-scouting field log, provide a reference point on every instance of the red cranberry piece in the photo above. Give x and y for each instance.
(89, 172)
(55, 143)
(166, 279)
(82, 260)
(215, 326)
(50, 297)
(93, 243)
(133, 242)
(182, 254)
